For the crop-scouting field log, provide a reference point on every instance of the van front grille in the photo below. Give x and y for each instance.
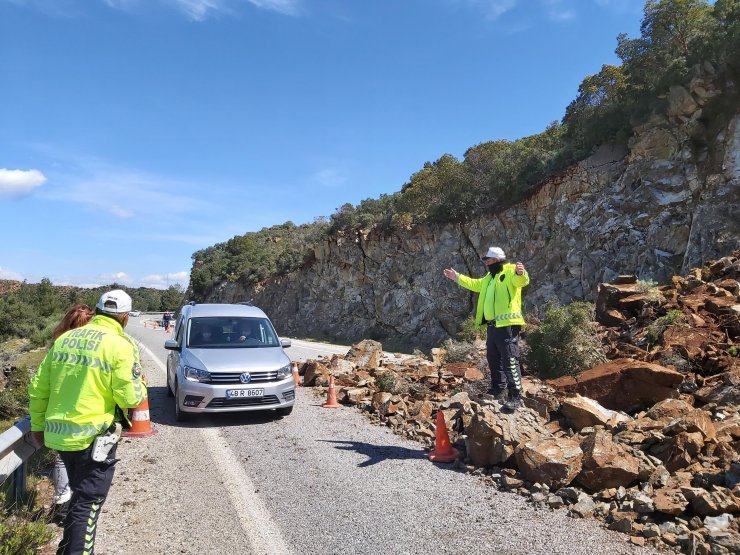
(233, 377)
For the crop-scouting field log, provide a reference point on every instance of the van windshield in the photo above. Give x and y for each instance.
(231, 332)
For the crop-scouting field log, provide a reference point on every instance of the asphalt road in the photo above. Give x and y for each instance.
(317, 481)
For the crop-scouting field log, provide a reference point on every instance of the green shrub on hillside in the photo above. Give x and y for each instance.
(14, 397)
(23, 526)
(565, 342)
(656, 329)
(469, 332)
(458, 351)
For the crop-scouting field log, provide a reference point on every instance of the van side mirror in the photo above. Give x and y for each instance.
(171, 345)
(285, 343)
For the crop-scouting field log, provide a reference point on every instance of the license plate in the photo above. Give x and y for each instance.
(234, 393)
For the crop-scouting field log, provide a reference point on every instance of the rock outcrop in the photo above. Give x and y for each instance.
(669, 203)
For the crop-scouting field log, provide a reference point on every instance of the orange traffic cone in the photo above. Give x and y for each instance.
(443, 452)
(155, 325)
(296, 377)
(141, 426)
(144, 323)
(331, 397)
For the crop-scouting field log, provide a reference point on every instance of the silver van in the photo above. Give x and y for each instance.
(225, 358)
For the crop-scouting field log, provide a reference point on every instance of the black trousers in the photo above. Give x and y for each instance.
(90, 482)
(502, 353)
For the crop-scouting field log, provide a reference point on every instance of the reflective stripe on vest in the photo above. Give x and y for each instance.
(510, 316)
(81, 360)
(73, 430)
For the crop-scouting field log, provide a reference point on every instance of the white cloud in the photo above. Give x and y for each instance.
(121, 192)
(329, 177)
(10, 274)
(491, 9)
(286, 7)
(18, 183)
(196, 10)
(558, 10)
(159, 281)
(117, 277)
(200, 10)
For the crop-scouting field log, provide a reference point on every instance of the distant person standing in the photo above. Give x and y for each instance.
(166, 319)
(76, 397)
(500, 308)
(77, 316)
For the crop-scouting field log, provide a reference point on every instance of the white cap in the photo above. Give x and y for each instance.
(495, 252)
(117, 301)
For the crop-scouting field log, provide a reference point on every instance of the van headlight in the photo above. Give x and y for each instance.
(284, 372)
(195, 374)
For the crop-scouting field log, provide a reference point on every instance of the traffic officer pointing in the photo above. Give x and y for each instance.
(76, 397)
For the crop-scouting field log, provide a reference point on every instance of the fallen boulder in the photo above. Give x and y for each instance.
(554, 462)
(582, 412)
(623, 384)
(606, 464)
(492, 436)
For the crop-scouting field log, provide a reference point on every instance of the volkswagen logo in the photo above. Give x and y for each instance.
(245, 377)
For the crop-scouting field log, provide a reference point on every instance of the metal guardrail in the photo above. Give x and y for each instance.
(15, 450)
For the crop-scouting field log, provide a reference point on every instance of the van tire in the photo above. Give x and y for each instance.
(180, 415)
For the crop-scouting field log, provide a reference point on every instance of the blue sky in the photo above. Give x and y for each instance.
(135, 132)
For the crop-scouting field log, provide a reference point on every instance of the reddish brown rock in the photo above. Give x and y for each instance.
(493, 436)
(695, 421)
(354, 396)
(722, 389)
(623, 384)
(316, 374)
(670, 408)
(678, 451)
(550, 461)
(365, 354)
(464, 370)
(606, 464)
(705, 503)
(582, 412)
(669, 501)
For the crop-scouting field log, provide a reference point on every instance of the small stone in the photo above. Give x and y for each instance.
(584, 508)
(651, 531)
(555, 501)
(622, 522)
(670, 538)
(643, 503)
(570, 494)
(637, 540)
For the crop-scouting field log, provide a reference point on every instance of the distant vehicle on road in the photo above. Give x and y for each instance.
(226, 358)
(135, 313)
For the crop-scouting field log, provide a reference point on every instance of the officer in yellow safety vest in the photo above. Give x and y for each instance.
(76, 397)
(500, 307)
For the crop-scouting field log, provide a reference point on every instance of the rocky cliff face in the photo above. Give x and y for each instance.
(669, 202)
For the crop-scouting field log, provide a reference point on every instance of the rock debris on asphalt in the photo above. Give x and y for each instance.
(330, 483)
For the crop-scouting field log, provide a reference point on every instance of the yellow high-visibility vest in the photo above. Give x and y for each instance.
(87, 373)
(500, 298)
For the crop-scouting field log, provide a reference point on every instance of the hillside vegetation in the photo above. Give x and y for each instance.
(675, 35)
(30, 311)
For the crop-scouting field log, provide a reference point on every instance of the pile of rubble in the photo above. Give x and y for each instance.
(649, 441)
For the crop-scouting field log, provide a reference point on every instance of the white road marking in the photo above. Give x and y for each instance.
(257, 522)
(304, 345)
